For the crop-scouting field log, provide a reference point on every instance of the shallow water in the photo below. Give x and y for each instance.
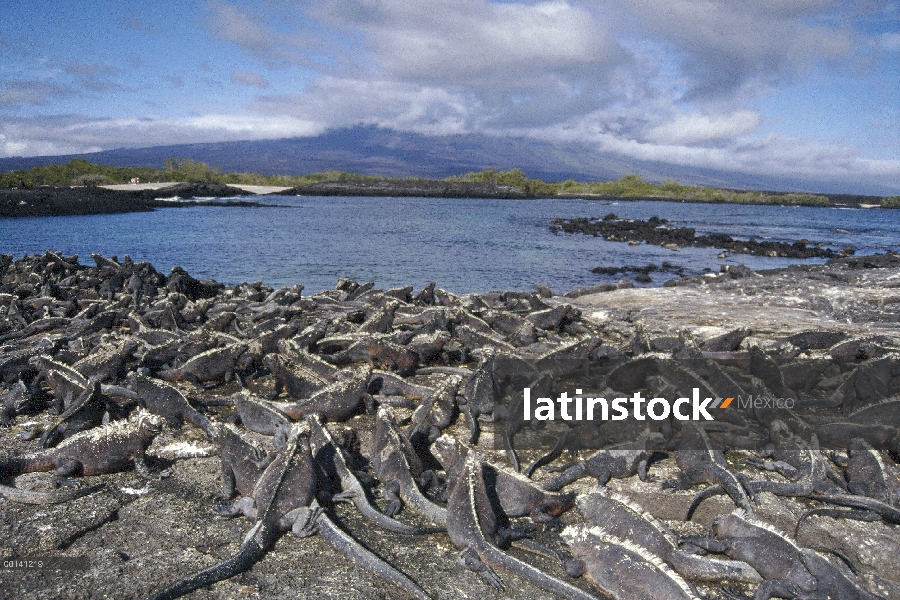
(464, 245)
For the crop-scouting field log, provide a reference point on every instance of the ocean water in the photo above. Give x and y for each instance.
(464, 245)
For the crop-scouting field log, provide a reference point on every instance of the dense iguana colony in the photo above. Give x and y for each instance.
(408, 407)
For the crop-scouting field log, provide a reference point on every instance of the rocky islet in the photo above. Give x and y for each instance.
(658, 232)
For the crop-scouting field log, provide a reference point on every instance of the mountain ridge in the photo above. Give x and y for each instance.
(371, 150)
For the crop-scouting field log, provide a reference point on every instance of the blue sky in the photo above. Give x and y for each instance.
(788, 88)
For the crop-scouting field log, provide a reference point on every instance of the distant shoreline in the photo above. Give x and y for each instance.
(45, 201)
(149, 184)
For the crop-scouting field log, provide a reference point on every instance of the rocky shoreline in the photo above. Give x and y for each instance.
(67, 201)
(48, 201)
(83, 344)
(416, 188)
(657, 232)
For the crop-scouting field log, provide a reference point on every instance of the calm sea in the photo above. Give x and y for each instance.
(463, 245)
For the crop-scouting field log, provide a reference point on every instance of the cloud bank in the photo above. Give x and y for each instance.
(692, 82)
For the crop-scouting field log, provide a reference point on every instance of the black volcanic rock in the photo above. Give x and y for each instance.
(655, 231)
(421, 188)
(62, 201)
(47, 201)
(194, 189)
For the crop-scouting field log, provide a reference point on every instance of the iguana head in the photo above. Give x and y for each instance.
(733, 525)
(149, 423)
(560, 503)
(449, 451)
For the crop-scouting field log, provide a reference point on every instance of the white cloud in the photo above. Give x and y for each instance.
(73, 134)
(726, 46)
(700, 128)
(345, 102)
(476, 42)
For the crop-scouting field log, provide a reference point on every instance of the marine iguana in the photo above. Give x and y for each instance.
(381, 320)
(425, 321)
(262, 417)
(788, 570)
(21, 496)
(37, 326)
(619, 461)
(283, 500)
(107, 364)
(881, 436)
(165, 400)
(397, 466)
(517, 496)
(473, 527)
(512, 372)
(388, 384)
(701, 462)
(336, 402)
(85, 412)
(329, 455)
(106, 449)
(19, 363)
(430, 346)
(210, 366)
(618, 516)
(383, 354)
(377, 349)
(867, 476)
(434, 414)
(266, 342)
(480, 393)
(585, 436)
(878, 424)
(475, 339)
(800, 461)
(308, 337)
(243, 462)
(20, 399)
(65, 382)
(861, 504)
(298, 381)
(622, 569)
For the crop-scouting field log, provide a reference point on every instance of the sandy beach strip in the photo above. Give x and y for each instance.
(252, 189)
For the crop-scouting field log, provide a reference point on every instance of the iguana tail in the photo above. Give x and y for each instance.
(349, 547)
(886, 511)
(21, 496)
(385, 522)
(249, 554)
(27, 463)
(727, 485)
(837, 513)
(422, 505)
(497, 559)
(713, 490)
(548, 458)
(509, 444)
(198, 419)
(574, 472)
